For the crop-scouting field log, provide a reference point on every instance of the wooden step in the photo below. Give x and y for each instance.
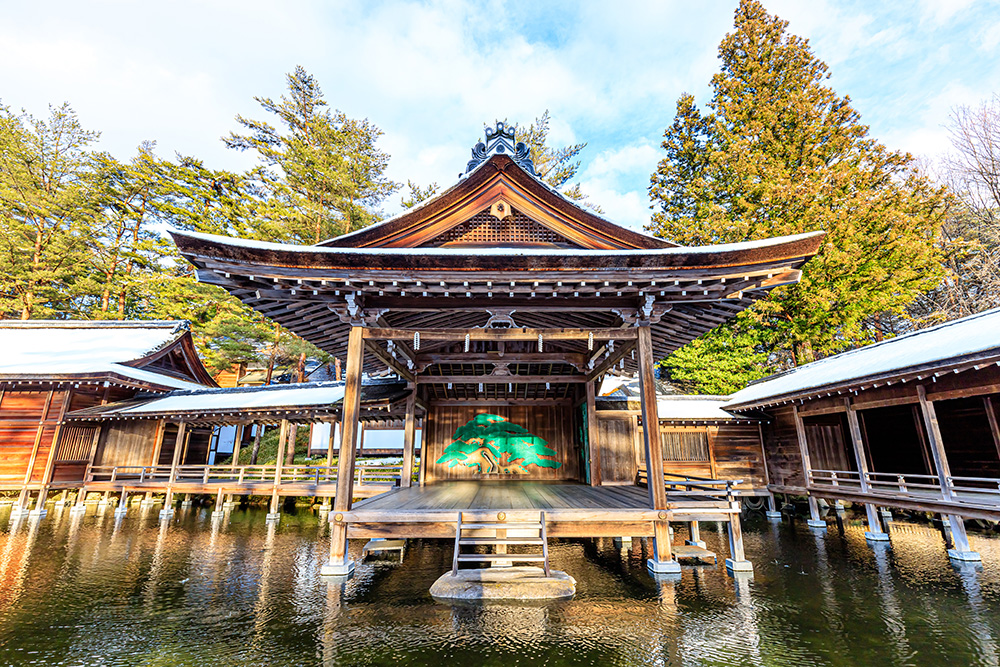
(483, 558)
(485, 541)
(502, 526)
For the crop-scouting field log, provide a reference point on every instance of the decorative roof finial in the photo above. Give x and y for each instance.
(501, 140)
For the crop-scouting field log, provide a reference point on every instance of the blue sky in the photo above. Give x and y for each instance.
(431, 73)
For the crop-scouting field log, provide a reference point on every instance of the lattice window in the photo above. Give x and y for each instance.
(75, 442)
(684, 446)
(484, 229)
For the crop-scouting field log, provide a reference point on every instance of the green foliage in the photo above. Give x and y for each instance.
(499, 446)
(779, 152)
(418, 194)
(322, 170)
(721, 361)
(268, 454)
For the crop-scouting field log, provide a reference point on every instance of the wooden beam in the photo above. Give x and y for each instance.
(409, 439)
(500, 334)
(575, 359)
(395, 365)
(500, 379)
(501, 403)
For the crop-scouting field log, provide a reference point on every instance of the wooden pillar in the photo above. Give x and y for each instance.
(339, 563)
(22, 500)
(409, 439)
(178, 449)
(237, 444)
(694, 535)
(662, 561)
(961, 550)
(593, 435)
(329, 459)
(273, 514)
(874, 532)
(50, 462)
(800, 431)
(936, 442)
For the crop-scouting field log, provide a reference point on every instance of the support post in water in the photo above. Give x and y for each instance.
(273, 514)
(694, 535)
(340, 564)
(168, 500)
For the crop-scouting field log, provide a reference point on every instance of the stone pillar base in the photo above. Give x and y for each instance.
(773, 514)
(876, 537)
(273, 517)
(39, 513)
(229, 504)
(886, 514)
(60, 504)
(121, 511)
(739, 565)
(186, 505)
(695, 543)
(330, 569)
(663, 567)
(816, 523)
(79, 508)
(964, 556)
(166, 513)
(143, 504)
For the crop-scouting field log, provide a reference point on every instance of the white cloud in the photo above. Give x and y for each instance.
(430, 74)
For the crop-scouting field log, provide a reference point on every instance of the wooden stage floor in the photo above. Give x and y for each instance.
(509, 495)
(571, 510)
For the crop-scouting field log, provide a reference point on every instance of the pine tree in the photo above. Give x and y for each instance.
(780, 152)
(47, 208)
(323, 167)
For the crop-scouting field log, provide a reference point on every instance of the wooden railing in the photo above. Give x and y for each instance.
(690, 485)
(911, 485)
(365, 475)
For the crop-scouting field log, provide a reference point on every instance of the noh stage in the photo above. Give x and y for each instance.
(502, 304)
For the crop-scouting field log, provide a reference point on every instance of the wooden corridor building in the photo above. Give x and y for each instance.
(910, 422)
(502, 303)
(51, 368)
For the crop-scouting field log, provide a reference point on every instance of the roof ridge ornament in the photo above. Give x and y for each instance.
(500, 140)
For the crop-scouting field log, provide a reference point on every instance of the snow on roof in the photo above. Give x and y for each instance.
(494, 251)
(927, 348)
(249, 398)
(693, 408)
(46, 348)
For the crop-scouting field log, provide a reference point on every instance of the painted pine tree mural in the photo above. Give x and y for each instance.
(494, 445)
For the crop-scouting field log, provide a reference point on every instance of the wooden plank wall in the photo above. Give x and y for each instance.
(619, 447)
(828, 442)
(554, 424)
(127, 443)
(781, 446)
(21, 412)
(738, 454)
(735, 451)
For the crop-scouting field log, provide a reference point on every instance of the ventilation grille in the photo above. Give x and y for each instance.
(484, 229)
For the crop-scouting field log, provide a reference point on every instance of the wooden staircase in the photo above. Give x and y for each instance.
(499, 539)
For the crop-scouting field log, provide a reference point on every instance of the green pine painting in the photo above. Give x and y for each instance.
(494, 445)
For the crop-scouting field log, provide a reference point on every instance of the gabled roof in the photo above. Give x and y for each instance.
(964, 343)
(153, 355)
(499, 181)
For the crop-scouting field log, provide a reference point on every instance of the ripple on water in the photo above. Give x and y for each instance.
(92, 591)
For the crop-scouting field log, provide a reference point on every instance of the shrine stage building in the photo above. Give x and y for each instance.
(501, 304)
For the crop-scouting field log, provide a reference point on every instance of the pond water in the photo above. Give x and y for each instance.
(92, 591)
